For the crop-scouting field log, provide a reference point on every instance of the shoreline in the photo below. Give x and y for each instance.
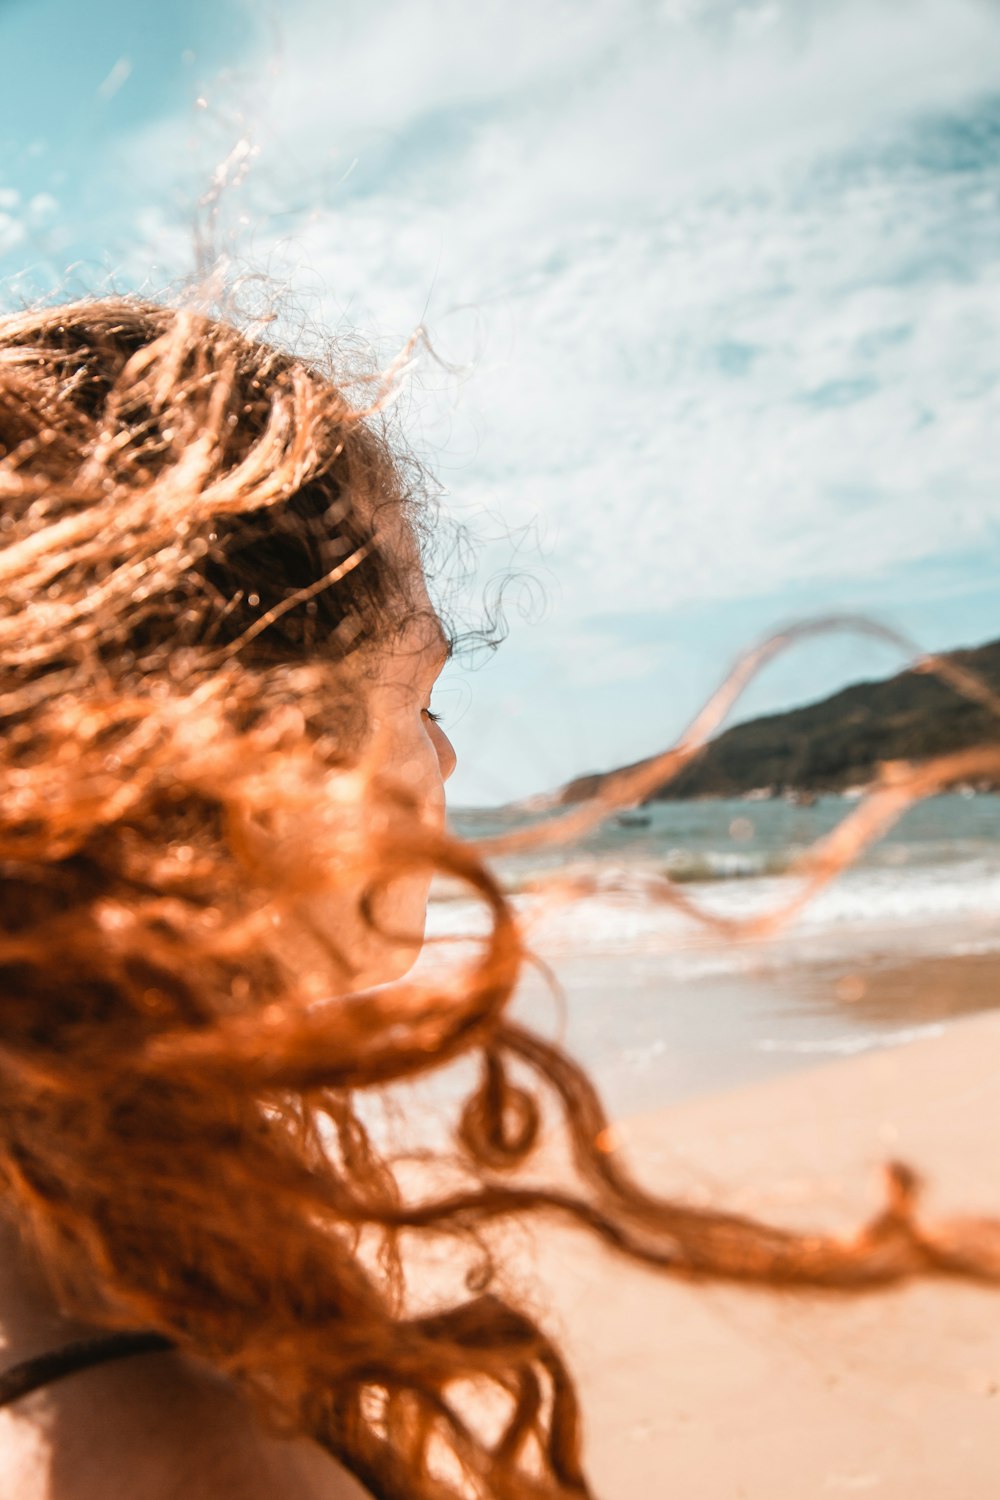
(653, 1039)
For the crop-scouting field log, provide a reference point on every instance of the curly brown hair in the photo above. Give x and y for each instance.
(191, 567)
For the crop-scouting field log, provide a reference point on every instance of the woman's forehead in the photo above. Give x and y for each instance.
(414, 640)
(421, 632)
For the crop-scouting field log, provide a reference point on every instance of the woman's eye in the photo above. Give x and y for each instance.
(430, 714)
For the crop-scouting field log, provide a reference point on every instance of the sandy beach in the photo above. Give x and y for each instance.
(775, 1079)
(725, 1394)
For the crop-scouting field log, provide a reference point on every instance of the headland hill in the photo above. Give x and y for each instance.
(836, 744)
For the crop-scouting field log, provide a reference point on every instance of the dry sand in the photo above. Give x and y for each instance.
(725, 1394)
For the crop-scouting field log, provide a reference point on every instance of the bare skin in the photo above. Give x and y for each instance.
(158, 1426)
(150, 1427)
(409, 758)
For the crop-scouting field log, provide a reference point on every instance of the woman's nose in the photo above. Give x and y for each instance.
(447, 759)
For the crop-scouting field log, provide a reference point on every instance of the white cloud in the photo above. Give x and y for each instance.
(715, 354)
(12, 233)
(727, 274)
(601, 94)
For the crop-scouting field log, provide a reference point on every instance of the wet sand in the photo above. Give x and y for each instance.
(652, 1039)
(725, 1394)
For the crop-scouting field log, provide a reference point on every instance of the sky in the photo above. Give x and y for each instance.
(711, 291)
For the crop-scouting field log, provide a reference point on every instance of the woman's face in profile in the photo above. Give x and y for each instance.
(412, 758)
(407, 759)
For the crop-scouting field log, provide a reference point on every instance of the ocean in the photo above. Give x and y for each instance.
(660, 1007)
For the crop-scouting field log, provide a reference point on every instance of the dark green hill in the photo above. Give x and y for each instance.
(838, 742)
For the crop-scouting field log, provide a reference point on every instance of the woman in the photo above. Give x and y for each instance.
(221, 798)
(214, 603)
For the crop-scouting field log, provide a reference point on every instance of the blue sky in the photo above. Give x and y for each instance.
(715, 287)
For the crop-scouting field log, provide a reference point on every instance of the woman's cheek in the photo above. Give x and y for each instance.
(414, 775)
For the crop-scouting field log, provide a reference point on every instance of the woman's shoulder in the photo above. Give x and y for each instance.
(153, 1427)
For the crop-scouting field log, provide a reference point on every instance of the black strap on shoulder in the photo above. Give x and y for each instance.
(21, 1379)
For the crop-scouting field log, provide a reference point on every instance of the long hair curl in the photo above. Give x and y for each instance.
(191, 566)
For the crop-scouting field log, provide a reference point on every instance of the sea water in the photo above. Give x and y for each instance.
(660, 1006)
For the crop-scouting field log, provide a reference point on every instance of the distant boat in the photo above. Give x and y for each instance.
(633, 817)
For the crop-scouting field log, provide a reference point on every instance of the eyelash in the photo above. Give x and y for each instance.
(434, 718)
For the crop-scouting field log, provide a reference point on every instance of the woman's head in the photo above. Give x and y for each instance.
(221, 797)
(197, 528)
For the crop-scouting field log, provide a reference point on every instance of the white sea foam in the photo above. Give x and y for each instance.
(861, 905)
(848, 1046)
(859, 897)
